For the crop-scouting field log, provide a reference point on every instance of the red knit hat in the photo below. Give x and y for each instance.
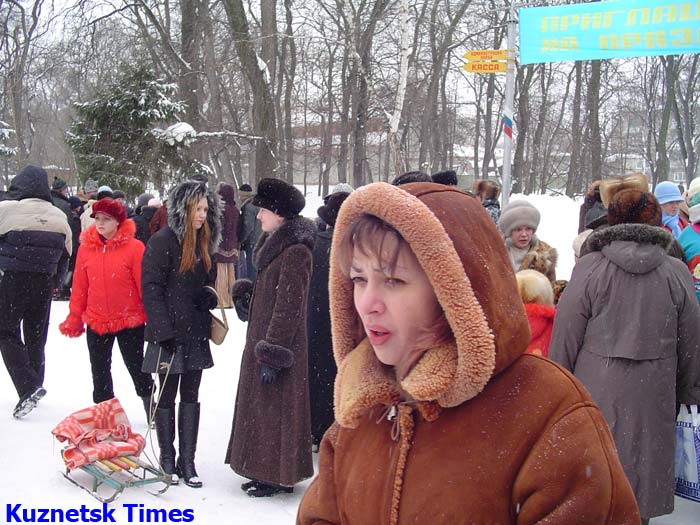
(114, 209)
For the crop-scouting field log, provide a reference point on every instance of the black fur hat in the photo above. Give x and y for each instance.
(411, 176)
(178, 199)
(448, 178)
(279, 197)
(329, 211)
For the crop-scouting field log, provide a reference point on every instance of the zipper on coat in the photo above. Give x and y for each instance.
(402, 431)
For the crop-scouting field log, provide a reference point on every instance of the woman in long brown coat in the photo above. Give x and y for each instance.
(271, 436)
(440, 417)
(628, 326)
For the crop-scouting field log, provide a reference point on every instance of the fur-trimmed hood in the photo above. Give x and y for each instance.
(458, 247)
(636, 248)
(178, 198)
(297, 230)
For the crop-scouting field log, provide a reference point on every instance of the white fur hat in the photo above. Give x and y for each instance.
(518, 213)
(534, 287)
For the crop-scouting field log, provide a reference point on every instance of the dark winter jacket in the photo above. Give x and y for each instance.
(628, 326)
(271, 434)
(143, 223)
(61, 202)
(494, 208)
(169, 296)
(322, 368)
(34, 234)
(249, 228)
(227, 251)
(106, 292)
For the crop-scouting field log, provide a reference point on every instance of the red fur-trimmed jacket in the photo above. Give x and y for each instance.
(541, 319)
(106, 292)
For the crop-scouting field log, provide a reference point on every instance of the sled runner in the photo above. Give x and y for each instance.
(101, 444)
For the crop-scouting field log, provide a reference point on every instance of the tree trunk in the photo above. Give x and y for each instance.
(572, 177)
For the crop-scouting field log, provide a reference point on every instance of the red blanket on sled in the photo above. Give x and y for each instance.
(101, 431)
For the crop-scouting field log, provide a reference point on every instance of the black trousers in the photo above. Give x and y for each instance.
(25, 298)
(131, 346)
(188, 384)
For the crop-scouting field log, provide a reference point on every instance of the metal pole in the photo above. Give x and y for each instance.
(508, 109)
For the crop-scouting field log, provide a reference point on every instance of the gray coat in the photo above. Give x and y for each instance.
(271, 435)
(628, 326)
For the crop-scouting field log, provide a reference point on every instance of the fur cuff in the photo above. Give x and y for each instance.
(241, 287)
(274, 355)
(72, 327)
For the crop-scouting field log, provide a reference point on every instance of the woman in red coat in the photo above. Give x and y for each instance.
(106, 296)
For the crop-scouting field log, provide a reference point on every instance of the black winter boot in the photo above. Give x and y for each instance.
(165, 430)
(150, 407)
(188, 428)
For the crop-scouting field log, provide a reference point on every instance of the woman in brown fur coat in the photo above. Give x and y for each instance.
(440, 418)
(271, 436)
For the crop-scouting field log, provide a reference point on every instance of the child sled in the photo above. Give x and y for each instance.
(101, 444)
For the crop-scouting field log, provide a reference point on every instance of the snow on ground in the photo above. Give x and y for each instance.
(30, 459)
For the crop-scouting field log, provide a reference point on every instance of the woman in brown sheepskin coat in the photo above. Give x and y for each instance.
(464, 427)
(271, 433)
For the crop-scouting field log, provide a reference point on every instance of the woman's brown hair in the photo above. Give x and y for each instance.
(194, 237)
(372, 236)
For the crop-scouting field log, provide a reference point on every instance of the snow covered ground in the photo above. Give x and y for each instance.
(30, 460)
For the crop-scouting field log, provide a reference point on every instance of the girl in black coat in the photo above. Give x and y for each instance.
(177, 266)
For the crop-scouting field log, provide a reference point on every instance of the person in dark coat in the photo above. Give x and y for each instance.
(447, 178)
(143, 220)
(59, 197)
(271, 434)
(227, 252)
(35, 245)
(177, 269)
(322, 368)
(488, 191)
(249, 232)
(628, 327)
(64, 288)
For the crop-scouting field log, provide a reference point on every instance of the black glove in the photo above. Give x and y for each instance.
(204, 300)
(167, 345)
(268, 374)
(242, 306)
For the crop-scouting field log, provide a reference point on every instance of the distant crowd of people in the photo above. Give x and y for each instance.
(409, 334)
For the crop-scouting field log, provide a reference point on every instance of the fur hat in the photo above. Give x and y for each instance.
(246, 188)
(111, 207)
(143, 200)
(329, 211)
(58, 184)
(488, 189)
(518, 213)
(667, 191)
(411, 176)
(634, 206)
(609, 187)
(342, 187)
(178, 199)
(534, 287)
(448, 178)
(279, 197)
(90, 186)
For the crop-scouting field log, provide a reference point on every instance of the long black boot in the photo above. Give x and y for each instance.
(188, 428)
(150, 407)
(165, 430)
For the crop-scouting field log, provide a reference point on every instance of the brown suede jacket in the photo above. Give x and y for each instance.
(476, 432)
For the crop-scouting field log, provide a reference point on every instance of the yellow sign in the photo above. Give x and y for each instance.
(486, 67)
(486, 54)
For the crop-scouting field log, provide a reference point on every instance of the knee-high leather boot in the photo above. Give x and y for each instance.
(188, 428)
(165, 430)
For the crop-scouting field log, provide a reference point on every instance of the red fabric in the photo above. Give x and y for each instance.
(159, 219)
(110, 207)
(541, 319)
(98, 432)
(106, 291)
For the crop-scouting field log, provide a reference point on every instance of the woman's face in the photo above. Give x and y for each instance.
(671, 208)
(395, 308)
(200, 213)
(269, 220)
(106, 225)
(522, 236)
